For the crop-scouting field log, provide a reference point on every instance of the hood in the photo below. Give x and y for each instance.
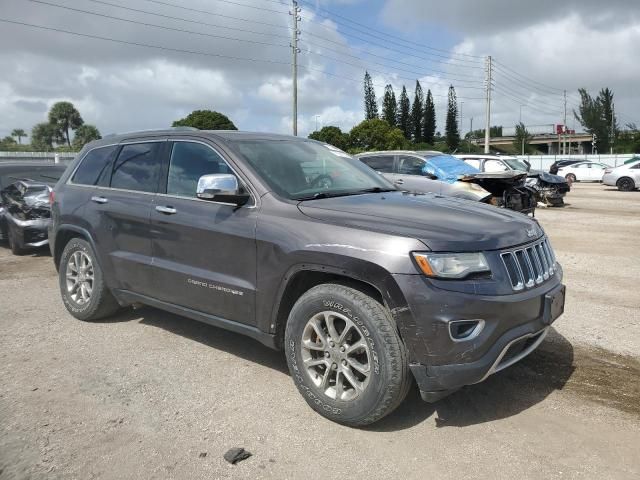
(496, 182)
(441, 223)
(546, 177)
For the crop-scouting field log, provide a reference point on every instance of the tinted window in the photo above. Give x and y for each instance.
(137, 167)
(190, 161)
(94, 167)
(411, 165)
(380, 163)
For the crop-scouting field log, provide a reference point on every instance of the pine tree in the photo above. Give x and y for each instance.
(452, 134)
(404, 114)
(389, 106)
(416, 114)
(429, 122)
(370, 103)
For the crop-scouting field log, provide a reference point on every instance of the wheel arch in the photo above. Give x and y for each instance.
(64, 234)
(301, 278)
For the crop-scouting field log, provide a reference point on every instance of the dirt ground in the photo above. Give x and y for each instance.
(149, 395)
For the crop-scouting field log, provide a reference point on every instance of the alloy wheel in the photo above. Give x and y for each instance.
(336, 356)
(80, 277)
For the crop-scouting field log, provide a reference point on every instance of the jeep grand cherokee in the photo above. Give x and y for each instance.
(298, 245)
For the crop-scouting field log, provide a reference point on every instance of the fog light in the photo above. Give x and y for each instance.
(463, 330)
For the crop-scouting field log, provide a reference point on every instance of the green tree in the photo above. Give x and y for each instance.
(7, 143)
(84, 134)
(42, 137)
(19, 134)
(404, 114)
(333, 136)
(370, 103)
(376, 134)
(522, 139)
(206, 120)
(429, 122)
(452, 132)
(417, 114)
(64, 117)
(597, 116)
(389, 106)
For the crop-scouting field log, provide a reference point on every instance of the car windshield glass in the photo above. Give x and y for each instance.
(448, 168)
(302, 170)
(515, 164)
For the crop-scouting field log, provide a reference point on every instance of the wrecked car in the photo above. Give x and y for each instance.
(435, 172)
(549, 189)
(24, 206)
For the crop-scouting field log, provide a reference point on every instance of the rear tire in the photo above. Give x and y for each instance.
(626, 184)
(13, 244)
(571, 178)
(345, 355)
(82, 286)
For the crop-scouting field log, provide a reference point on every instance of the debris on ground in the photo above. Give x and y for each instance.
(236, 455)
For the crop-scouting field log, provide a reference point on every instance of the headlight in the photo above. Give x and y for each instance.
(451, 265)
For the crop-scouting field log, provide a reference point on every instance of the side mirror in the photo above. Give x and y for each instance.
(221, 187)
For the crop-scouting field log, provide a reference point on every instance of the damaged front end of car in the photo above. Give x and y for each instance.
(549, 189)
(26, 214)
(507, 189)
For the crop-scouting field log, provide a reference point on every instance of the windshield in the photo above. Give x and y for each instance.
(516, 164)
(447, 168)
(302, 170)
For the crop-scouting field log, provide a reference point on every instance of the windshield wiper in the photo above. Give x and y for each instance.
(319, 195)
(376, 190)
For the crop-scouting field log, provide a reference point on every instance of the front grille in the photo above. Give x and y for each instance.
(530, 265)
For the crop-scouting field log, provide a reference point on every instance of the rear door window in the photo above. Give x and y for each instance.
(380, 163)
(474, 162)
(138, 167)
(494, 166)
(95, 167)
(411, 165)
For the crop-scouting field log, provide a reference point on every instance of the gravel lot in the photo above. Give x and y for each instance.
(151, 395)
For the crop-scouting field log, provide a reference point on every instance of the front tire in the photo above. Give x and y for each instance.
(345, 355)
(626, 184)
(13, 243)
(82, 286)
(571, 178)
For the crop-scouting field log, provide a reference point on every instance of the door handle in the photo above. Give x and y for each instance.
(166, 210)
(399, 182)
(97, 199)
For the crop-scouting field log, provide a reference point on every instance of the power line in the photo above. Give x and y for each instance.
(170, 17)
(228, 2)
(528, 100)
(386, 72)
(157, 26)
(369, 29)
(179, 50)
(146, 45)
(527, 79)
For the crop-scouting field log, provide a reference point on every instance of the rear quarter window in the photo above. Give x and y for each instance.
(94, 168)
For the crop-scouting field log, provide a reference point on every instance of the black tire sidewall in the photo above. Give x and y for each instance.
(87, 311)
(350, 412)
(626, 184)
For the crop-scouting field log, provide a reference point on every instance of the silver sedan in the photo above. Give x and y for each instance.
(626, 177)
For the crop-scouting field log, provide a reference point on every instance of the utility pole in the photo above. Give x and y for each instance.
(613, 127)
(487, 125)
(471, 136)
(294, 64)
(564, 128)
(317, 118)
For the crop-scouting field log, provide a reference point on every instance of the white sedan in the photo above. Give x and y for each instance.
(583, 172)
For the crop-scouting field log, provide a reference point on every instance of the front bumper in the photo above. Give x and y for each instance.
(28, 233)
(512, 327)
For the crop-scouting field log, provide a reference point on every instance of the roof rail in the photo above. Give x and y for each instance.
(177, 129)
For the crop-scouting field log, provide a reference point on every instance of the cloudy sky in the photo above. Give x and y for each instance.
(157, 60)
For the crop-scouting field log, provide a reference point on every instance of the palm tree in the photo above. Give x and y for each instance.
(18, 133)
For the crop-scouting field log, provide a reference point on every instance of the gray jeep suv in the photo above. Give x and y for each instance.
(298, 245)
